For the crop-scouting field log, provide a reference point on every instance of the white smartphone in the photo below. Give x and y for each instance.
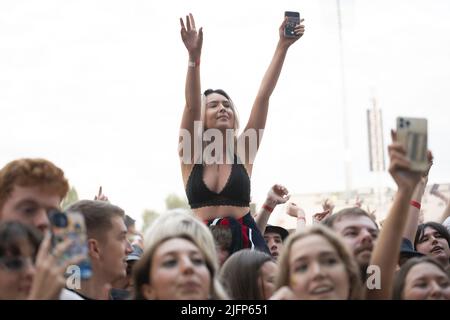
(412, 133)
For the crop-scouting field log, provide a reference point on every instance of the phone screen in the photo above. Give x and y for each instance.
(293, 21)
(71, 225)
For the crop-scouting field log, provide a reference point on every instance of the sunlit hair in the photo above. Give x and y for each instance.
(39, 173)
(354, 212)
(178, 225)
(222, 93)
(400, 277)
(241, 274)
(353, 272)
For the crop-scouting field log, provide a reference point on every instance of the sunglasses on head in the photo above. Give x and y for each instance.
(15, 264)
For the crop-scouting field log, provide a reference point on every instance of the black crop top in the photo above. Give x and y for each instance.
(236, 191)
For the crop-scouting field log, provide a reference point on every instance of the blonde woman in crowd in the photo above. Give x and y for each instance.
(316, 265)
(179, 261)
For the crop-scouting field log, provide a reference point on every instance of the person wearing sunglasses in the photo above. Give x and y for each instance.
(29, 267)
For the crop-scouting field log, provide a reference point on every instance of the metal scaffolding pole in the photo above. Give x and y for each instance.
(347, 159)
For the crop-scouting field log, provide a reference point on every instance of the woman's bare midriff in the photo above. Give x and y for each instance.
(213, 212)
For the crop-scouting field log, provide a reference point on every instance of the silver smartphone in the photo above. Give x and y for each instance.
(412, 133)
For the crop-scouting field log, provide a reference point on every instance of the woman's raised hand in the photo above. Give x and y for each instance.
(295, 211)
(278, 194)
(299, 31)
(400, 166)
(191, 38)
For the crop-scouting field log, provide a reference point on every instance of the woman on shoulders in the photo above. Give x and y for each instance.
(217, 177)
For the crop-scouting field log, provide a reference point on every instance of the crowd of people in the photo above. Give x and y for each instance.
(219, 250)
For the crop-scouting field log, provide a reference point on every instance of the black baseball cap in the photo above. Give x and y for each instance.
(136, 254)
(276, 229)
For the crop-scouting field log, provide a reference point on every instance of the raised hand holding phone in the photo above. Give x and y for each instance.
(50, 267)
(400, 166)
(412, 134)
(70, 227)
(291, 29)
(293, 20)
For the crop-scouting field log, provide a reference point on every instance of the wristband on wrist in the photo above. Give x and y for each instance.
(267, 208)
(415, 204)
(193, 64)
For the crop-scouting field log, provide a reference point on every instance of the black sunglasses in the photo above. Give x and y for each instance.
(15, 264)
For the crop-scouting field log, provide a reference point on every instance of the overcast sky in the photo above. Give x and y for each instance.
(97, 87)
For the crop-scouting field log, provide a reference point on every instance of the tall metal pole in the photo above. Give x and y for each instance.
(347, 160)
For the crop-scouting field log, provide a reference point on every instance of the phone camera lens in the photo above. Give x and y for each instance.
(407, 123)
(59, 219)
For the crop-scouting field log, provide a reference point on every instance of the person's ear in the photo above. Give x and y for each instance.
(94, 249)
(148, 292)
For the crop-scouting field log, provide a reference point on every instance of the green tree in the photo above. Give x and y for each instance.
(148, 216)
(71, 197)
(174, 202)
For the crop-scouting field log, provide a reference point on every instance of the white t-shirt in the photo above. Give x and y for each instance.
(69, 295)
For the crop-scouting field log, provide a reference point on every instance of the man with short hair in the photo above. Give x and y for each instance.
(359, 232)
(29, 190)
(108, 246)
(133, 235)
(123, 288)
(274, 236)
(130, 223)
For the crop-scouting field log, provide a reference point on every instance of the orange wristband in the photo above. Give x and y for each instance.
(267, 208)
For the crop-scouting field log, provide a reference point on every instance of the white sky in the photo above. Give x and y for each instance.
(98, 87)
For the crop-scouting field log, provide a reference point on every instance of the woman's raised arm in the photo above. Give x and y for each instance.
(193, 41)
